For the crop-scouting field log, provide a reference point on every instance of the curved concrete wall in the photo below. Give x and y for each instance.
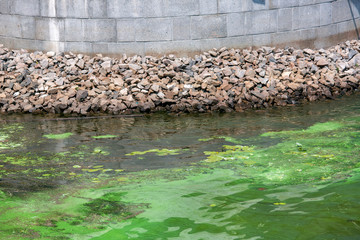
(182, 27)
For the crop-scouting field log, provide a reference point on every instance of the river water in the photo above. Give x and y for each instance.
(281, 173)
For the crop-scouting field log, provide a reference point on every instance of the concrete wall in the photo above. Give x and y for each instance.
(183, 27)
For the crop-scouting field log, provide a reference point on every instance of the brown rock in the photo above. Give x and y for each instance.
(155, 87)
(250, 73)
(322, 62)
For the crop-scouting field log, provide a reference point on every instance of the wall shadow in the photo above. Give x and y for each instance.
(354, 6)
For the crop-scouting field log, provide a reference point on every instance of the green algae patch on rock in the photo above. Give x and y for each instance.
(225, 138)
(229, 153)
(9, 136)
(159, 152)
(99, 150)
(324, 151)
(105, 136)
(58, 136)
(315, 129)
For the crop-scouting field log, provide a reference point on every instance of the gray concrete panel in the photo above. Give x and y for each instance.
(27, 26)
(134, 8)
(177, 26)
(74, 30)
(340, 11)
(306, 17)
(25, 7)
(153, 29)
(212, 26)
(126, 30)
(285, 19)
(48, 8)
(11, 28)
(181, 28)
(4, 6)
(72, 9)
(180, 8)
(97, 9)
(228, 6)
(283, 3)
(134, 48)
(78, 47)
(208, 6)
(325, 14)
(172, 47)
(262, 21)
(49, 29)
(100, 30)
(237, 24)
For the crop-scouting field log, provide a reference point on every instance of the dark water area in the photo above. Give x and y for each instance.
(167, 131)
(280, 173)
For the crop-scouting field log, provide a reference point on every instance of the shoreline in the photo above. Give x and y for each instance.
(219, 80)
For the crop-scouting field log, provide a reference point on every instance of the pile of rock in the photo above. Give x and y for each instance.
(218, 80)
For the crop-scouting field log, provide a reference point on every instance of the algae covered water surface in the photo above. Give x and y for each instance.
(289, 173)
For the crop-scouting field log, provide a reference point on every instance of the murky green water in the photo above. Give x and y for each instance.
(287, 173)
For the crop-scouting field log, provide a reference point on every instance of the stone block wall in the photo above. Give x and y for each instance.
(183, 27)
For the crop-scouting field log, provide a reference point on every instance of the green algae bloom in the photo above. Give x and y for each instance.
(159, 152)
(9, 138)
(226, 138)
(58, 136)
(105, 136)
(237, 191)
(99, 150)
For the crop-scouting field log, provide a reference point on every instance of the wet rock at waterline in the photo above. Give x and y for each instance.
(218, 80)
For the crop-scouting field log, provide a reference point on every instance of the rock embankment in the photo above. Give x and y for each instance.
(218, 80)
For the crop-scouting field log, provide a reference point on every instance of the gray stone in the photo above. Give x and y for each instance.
(50, 54)
(106, 64)
(81, 95)
(59, 81)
